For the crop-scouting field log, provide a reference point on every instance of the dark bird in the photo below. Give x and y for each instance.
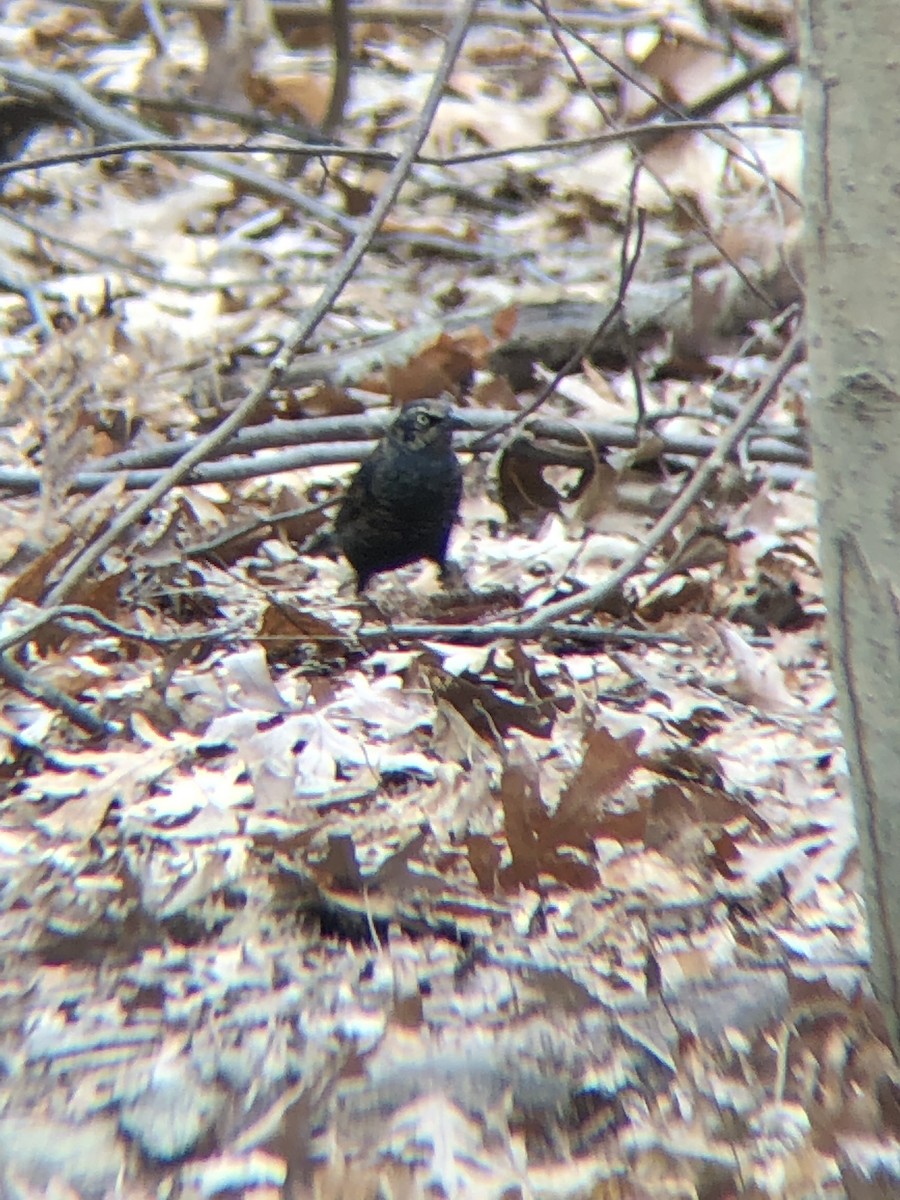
(402, 502)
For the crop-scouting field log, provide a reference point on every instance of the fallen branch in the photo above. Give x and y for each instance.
(562, 443)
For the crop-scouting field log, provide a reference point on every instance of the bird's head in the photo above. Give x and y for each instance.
(424, 423)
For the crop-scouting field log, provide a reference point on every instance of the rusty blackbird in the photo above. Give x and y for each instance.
(402, 502)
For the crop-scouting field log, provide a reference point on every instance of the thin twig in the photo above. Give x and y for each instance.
(74, 616)
(261, 121)
(628, 261)
(157, 145)
(647, 131)
(13, 279)
(342, 44)
(19, 679)
(584, 350)
(588, 634)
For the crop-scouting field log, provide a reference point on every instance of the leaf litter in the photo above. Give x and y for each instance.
(323, 915)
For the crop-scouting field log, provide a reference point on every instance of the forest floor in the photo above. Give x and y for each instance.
(541, 883)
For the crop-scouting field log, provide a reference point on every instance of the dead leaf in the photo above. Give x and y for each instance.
(524, 493)
(561, 843)
(759, 679)
(444, 366)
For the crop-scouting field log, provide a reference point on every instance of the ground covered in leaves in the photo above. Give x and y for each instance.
(542, 883)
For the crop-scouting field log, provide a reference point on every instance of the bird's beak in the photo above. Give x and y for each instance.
(459, 420)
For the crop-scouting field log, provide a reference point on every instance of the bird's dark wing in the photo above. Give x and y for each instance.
(357, 498)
